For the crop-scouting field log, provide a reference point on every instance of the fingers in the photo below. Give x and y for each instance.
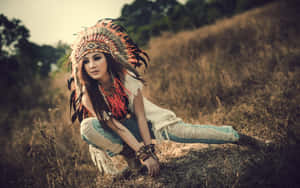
(152, 166)
(153, 169)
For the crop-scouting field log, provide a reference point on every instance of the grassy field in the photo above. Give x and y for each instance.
(242, 71)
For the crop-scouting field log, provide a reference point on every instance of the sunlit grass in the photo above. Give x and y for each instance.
(242, 71)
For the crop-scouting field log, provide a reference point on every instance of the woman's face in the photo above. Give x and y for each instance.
(95, 65)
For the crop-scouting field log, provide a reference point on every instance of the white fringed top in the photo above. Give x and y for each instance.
(159, 117)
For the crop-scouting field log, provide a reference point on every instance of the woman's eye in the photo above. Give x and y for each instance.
(97, 58)
(85, 61)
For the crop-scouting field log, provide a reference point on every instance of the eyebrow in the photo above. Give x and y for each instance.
(85, 58)
(96, 55)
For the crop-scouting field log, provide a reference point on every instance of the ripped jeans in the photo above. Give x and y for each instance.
(105, 139)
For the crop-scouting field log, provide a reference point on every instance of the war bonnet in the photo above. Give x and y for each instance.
(109, 37)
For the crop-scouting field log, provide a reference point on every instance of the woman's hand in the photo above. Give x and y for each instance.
(152, 166)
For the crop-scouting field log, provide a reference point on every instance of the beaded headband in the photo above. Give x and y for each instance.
(91, 46)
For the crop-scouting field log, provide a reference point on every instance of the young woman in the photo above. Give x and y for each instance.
(115, 117)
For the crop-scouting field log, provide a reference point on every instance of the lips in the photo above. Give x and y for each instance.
(95, 72)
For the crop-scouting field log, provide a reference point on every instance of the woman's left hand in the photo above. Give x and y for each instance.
(152, 166)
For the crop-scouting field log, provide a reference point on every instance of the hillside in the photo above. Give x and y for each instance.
(243, 71)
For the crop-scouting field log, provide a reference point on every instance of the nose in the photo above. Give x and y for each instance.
(92, 63)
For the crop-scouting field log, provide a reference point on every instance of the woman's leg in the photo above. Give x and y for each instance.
(104, 143)
(105, 139)
(189, 133)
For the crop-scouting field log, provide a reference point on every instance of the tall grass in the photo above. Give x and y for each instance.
(242, 71)
(43, 148)
(245, 68)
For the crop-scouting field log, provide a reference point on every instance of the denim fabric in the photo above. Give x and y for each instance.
(209, 134)
(133, 127)
(179, 132)
(108, 140)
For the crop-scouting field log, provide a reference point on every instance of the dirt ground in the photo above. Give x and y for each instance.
(228, 165)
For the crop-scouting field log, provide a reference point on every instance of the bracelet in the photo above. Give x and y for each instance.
(145, 152)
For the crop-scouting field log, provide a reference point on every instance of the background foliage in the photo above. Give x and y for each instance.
(149, 18)
(243, 71)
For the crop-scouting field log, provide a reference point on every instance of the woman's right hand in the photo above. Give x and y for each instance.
(152, 166)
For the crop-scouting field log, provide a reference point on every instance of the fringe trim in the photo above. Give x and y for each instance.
(158, 133)
(103, 161)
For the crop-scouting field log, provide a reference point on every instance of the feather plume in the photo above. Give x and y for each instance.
(112, 38)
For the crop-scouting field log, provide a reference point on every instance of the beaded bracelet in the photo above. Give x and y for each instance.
(146, 151)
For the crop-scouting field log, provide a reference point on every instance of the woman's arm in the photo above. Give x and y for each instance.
(115, 125)
(141, 118)
(124, 133)
(151, 163)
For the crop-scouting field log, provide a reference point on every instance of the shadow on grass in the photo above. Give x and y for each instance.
(224, 166)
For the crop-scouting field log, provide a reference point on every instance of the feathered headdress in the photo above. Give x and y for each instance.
(109, 37)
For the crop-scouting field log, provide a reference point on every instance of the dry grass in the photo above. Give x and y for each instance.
(48, 151)
(242, 71)
(247, 62)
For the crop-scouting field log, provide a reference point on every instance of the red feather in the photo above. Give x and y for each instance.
(117, 100)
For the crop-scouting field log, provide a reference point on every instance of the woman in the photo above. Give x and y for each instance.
(115, 117)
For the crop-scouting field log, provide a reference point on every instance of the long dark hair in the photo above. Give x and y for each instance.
(97, 99)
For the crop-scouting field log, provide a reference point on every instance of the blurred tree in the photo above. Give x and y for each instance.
(242, 5)
(165, 7)
(138, 13)
(213, 12)
(179, 18)
(12, 35)
(228, 7)
(63, 51)
(197, 11)
(146, 18)
(21, 61)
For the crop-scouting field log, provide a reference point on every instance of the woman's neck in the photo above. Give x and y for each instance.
(106, 82)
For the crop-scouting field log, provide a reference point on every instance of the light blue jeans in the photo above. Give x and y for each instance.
(105, 139)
